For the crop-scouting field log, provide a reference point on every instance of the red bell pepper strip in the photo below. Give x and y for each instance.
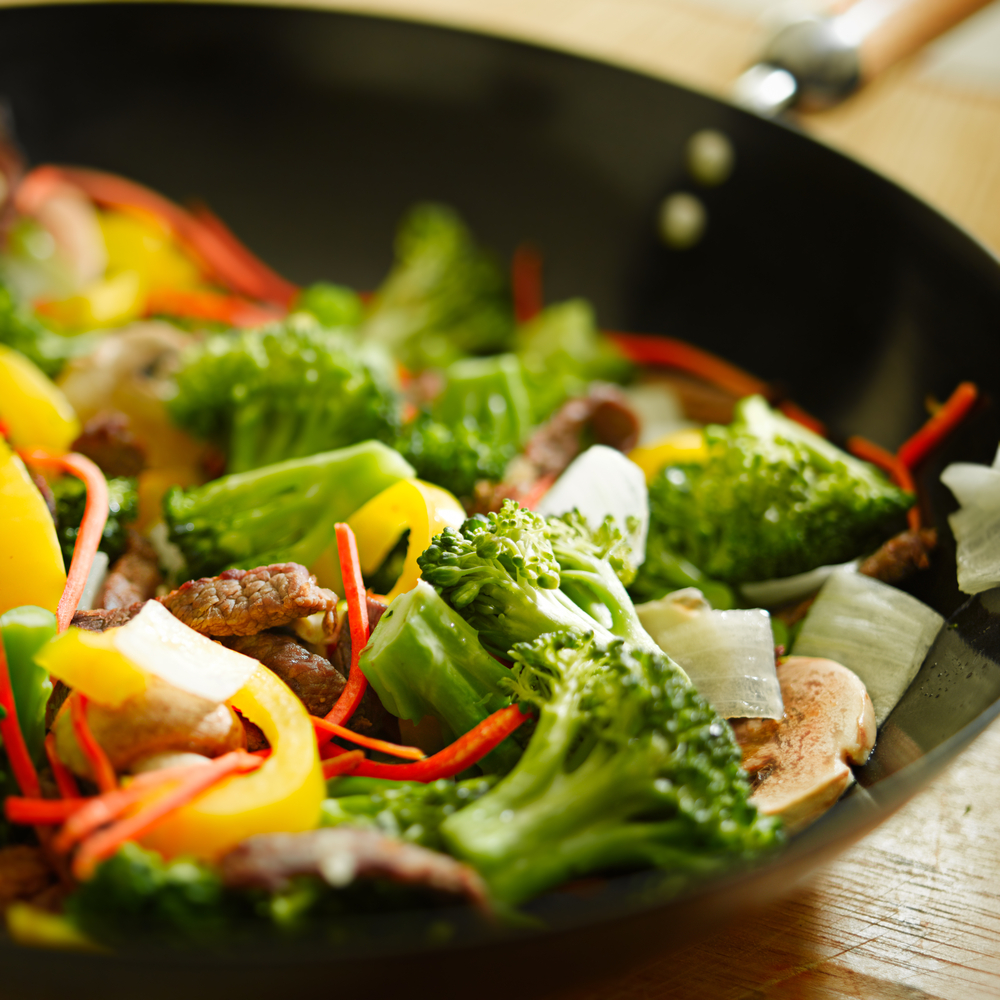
(795, 412)
(891, 464)
(327, 729)
(95, 516)
(526, 283)
(346, 762)
(65, 781)
(914, 450)
(357, 614)
(13, 739)
(456, 757)
(41, 812)
(229, 309)
(104, 774)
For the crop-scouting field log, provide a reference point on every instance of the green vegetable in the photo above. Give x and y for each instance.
(628, 767)
(71, 498)
(501, 575)
(773, 500)
(333, 305)
(288, 390)
(281, 513)
(664, 571)
(424, 659)
(562, 352)
(24, 631)
(444, 299)
(408, 810)
(21, 329)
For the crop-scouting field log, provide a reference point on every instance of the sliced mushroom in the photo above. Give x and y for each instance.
(800, 764)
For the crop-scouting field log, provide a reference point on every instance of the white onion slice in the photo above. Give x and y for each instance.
(729, 655)
(880, 633)
(95, 580)
(977, 534)
(973, 485)
(600, 482)
(772, 593)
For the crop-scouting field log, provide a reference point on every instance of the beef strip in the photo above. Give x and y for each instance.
(245, 602)
(341, 854)
(314, 679)
(134, 577)
(101, 619)
(108, 441)
(25, 875)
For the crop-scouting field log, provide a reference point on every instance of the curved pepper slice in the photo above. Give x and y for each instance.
(284, 795)
(425, 509)
(31, 563)
(32, 407)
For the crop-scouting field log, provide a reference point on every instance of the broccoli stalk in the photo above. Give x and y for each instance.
(501, 575)
(71, 499)
(282, 513)
(628, 767)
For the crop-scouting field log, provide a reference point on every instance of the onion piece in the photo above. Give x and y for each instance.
(782, 590)
(600, 482)
(976, 526)
(973, 485)
(659, 409)
(880, 633)
(728, 655)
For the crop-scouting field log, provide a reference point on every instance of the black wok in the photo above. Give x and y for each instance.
(310, 133)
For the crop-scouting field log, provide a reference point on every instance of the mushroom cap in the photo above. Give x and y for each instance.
(801, 763)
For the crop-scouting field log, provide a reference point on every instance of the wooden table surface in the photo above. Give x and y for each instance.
(912, 911)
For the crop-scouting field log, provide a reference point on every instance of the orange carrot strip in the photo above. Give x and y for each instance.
(65, 781)
(526, 282)
(795, 412)
(345, 763)
(668, 352)
(38, 812)
(95, 516)
(884, 459)
(104, 843)
(13, 739)
(229, 309)
(914, 450)
(100, 766)
(322, 726)
(453, 759)
(357, 614)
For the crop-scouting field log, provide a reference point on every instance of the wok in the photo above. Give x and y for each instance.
(310, 133)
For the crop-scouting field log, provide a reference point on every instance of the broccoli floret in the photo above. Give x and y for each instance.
(772, 500)
(664, 571)
(282, 513)
(629, 767)
(500, 573)
(444, 299)
(287, 390)
(334, 306)
(71, 498)
(404, 809)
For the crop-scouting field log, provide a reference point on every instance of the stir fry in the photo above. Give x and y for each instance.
(319, 601)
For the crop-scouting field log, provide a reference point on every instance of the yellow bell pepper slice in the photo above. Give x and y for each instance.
(425, 509)
(283, 795)
(681, 446)
(34, 927)
(31, 563)
(108, 302)
(33, 408)
(138, 241)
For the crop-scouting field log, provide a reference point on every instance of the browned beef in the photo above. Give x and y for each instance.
(60, 692)
(901, 557)
(256, 740)
(133, 578)
(25, 875)
(341, 854)
(108, 441)
(315, 680)
(244, 602)
(101, 619)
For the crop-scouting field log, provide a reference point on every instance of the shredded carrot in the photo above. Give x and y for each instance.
(41, 812)
(105, 842)
(65, 781)
(795, 412)
(328, 729)
(100, 766)
(914, 450)
(344, 763)
(95, 516)
(229, 309)
(13, 739)
(526, 282)
(455, 758)
(357, 615)
(890, 464)
(668, 352)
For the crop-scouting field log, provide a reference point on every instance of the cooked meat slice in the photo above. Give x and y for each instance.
(24, 874)
(107, 439)
(315, 680)
(256, 740)
(341, 854)
(133, 578)
(102, 619)
(60, 692)
(245, 602)
(162, 719)
(901, 557)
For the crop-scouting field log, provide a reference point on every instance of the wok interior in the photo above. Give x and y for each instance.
(310, 133)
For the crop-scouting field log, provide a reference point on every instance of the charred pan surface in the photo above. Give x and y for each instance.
(133, 578)
(245, 602)
(340, 855)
